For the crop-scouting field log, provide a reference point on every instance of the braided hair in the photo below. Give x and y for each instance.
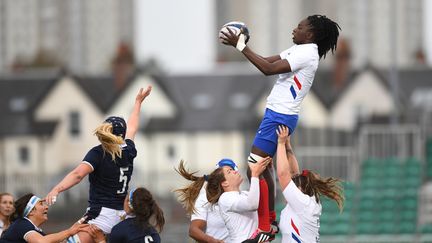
(326, 33)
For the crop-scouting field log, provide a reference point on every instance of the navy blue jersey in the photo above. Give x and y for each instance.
(17, 230)
(110, 179)
(128, 232)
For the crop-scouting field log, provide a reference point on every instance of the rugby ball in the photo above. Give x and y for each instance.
(237, 27)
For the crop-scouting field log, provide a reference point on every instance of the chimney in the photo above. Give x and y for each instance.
(122, 65)
(342, 63)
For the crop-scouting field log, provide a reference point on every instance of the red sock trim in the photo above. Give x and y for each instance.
(263, 207)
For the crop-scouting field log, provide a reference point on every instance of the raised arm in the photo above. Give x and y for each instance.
(268, 66)
(133, 121)
(252, 200)
(70, 180)
(292, 160)
(284, 171)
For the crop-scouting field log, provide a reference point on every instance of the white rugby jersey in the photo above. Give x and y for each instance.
(239, 212)
(290, 88)
(299, 221)
(204, 211)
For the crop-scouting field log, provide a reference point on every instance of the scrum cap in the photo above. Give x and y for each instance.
(119, 125)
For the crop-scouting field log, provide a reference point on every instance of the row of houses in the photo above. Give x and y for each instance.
(48, 117)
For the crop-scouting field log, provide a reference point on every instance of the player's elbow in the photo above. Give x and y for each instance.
(294, 172)
(283, 174)
(193, 232)
(268, 71)
(77, 176)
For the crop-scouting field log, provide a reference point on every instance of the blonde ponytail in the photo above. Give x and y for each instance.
(110, 142)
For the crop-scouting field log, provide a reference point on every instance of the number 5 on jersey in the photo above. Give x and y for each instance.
(123, 178)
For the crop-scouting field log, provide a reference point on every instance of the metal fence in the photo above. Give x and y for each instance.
(340, 154)
(386, 141)
(338, 162)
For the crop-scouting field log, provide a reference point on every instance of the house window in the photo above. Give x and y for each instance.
(74, 123)
(23, 155)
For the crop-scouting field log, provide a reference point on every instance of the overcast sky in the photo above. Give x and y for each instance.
(179, 34)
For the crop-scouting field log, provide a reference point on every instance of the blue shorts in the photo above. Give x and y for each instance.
(266, 136)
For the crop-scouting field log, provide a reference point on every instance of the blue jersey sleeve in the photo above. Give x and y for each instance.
(94, 157)
(131, 148)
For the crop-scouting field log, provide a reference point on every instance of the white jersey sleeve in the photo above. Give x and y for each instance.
(296, 198)
(284, 53)
(299, 58)
(241, 203)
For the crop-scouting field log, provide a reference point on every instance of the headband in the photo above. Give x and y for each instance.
(30, 205)
(305, 172)
(130, 197)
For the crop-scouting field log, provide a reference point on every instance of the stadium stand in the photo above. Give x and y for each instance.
(385, 201)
